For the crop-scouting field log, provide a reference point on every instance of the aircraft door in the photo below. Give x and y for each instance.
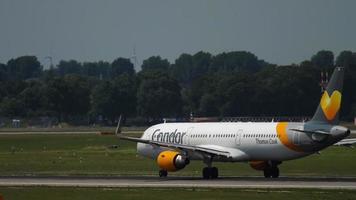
(148, 134)
(238, 137)
(296, 138)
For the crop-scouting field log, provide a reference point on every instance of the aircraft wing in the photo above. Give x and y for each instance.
(212, 150)
(346, 142)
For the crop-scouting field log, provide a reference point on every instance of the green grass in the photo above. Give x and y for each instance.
(35, 193)
(90, 155)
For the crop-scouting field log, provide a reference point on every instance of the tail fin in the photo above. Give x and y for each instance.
(330, 102)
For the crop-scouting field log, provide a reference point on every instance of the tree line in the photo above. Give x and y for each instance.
(228, 84)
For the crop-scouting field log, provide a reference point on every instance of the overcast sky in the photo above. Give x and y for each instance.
(278, 31)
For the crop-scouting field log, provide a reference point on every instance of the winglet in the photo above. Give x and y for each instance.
(118, 128)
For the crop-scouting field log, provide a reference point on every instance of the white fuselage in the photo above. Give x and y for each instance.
(251, 141)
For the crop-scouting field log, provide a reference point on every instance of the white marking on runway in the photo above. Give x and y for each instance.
(171, 182)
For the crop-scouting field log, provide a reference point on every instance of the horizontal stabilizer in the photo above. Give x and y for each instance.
(346, 142)
(311, 132)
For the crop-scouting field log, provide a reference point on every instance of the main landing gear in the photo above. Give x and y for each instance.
(271, 172)
(210, 173)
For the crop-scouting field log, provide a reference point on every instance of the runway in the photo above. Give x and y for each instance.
(182, 182)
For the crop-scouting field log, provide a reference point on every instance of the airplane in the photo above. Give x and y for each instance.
(264, 145)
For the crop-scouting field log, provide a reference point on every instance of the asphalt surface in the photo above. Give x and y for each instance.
(182, 182)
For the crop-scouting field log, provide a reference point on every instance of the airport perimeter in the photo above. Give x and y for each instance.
(75, 163)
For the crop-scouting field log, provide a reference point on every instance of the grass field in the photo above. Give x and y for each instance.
(44, 193)
(90, 154)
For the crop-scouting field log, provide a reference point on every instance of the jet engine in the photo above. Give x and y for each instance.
(172, 161)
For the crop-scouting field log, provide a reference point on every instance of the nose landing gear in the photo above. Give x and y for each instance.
(162, 173)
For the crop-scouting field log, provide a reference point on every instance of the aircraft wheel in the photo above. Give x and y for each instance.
(163, 173)
(275, 172)
(206, 172)
(210, 173)
(267, 172)
(214, 173)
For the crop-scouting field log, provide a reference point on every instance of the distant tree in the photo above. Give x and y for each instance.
(208, 106)
(125, 95)
(3, 72)
(238, 61)
(188, 68)
(155, 63)
(10, 103)
(182, 69)
(68, 96)
(222, 94)
(11, 88)
(24, 67)
(69, 67)
(110, 99)
(11, 107)
(158, 96)
(236, 93)
(77, 99)
(323, 60)
(102, 101)
(307, 64)
(201, 63)
(287, 91)
(33, 99)
(227, 84)
(100, 70)
(121, 66)
(204, 85)
(347, 59)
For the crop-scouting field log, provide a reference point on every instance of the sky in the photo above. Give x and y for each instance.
(277, 31)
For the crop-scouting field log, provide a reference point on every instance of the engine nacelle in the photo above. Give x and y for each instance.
(259, 165)
(172, 161)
